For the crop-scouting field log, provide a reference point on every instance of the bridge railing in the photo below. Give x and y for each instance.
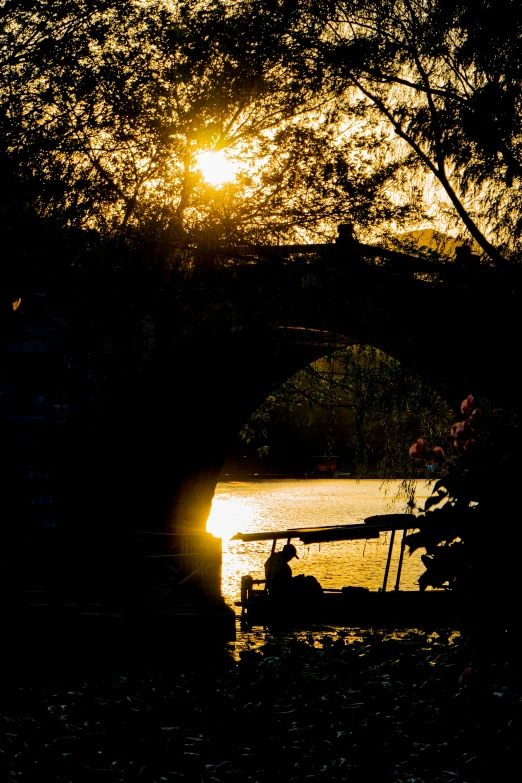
(348, 250)
(200, 561)
(194, 560)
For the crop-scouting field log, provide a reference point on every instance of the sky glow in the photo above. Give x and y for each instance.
(216, 168)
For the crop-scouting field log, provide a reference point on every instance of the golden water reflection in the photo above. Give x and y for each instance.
(250, 506)
(229, 515)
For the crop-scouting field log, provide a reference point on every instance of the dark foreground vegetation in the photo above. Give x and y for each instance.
(336, 705)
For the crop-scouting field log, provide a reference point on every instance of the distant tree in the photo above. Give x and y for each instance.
(359, 393)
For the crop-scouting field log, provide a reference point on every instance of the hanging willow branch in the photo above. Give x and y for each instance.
(390, 407)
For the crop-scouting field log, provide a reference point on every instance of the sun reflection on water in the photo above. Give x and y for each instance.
(228, 516)
(280, 504)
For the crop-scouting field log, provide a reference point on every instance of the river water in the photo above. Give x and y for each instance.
(266, 504)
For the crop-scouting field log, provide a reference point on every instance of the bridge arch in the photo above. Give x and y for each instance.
(152, 462)
(246, 339)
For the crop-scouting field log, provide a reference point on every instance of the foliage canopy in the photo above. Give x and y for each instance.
(106, 105)
(382, 114)
(444, 79)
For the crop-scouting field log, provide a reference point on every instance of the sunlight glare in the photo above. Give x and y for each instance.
(228, 516)
(216, 168)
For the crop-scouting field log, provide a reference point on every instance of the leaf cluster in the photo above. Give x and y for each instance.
(482, 464)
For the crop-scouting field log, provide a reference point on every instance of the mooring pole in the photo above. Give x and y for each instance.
(401, 557)
(388, 561)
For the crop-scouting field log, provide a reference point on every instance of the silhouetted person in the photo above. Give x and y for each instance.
(278, 573)
(347, 253)
(467, 261)
(282, 585)
(346, 234)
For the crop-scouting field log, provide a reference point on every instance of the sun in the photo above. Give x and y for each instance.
(216, 168)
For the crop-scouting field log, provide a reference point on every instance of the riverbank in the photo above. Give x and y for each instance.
(336, 705)
(252, 475)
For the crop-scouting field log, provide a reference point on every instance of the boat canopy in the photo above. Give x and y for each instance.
(371, 528)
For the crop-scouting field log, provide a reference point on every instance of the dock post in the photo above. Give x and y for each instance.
(401, 558)
(388, 561)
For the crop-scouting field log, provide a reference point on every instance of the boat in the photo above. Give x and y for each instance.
(348, 606)
(322, 467)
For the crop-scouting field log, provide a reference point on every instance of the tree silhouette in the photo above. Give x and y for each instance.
(444, 80)
(106, 106)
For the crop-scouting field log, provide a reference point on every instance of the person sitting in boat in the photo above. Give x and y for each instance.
(278, 573)
(279, 580)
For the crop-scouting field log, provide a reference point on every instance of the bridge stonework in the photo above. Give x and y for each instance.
(133, 438)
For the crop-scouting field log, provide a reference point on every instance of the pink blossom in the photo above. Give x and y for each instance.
(418, 450)
(460, 431)
(465, 676)
(438, 454)
(466, 406)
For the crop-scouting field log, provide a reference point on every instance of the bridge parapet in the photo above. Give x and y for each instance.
(192, 558)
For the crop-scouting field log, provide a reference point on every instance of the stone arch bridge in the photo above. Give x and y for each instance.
(454, 324)
(215, 350)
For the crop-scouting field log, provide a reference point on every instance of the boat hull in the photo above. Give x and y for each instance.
(427, 610)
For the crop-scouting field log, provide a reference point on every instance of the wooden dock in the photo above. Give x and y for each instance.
(61, 580)
(167, 624)
(162, 598)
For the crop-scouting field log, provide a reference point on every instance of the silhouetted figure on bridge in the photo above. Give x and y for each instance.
(348, 249)
(346, 234)
(465, 258)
